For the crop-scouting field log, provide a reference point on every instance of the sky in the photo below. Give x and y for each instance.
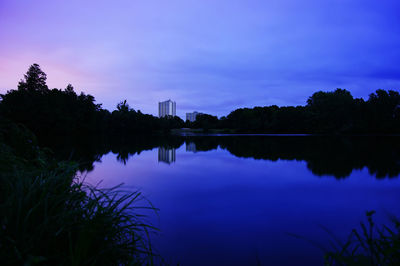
(211, 56)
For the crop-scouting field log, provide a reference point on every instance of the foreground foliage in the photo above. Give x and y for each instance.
(50, 216)
(372, 245)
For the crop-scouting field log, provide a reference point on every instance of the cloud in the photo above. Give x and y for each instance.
(210, 56)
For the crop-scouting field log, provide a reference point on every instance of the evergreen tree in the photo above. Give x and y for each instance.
(34, 80)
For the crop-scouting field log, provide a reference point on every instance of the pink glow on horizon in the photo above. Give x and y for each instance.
(208, 56)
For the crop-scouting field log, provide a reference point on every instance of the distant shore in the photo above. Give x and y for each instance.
(229, 132)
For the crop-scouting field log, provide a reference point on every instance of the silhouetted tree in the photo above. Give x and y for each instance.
(34, 80)
(334, 112)
(382, 109)
(55, 113)
(205, 121)
(331, 111)
(123, 107)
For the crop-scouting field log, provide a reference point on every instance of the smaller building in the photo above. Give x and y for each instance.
(192, 116)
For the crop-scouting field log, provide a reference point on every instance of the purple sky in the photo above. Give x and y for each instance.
(210, 56)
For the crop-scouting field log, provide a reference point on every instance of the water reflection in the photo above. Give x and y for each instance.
(166, 155)
(324, 156)
(221, 191)
(191, 146)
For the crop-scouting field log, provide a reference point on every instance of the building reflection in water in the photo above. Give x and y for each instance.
(166, 155)
(191, 146)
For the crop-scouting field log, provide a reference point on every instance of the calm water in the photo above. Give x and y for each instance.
(237, 200)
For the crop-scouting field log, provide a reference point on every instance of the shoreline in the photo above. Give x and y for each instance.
(188, 132)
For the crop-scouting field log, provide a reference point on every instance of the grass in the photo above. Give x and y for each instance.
(50, 217)
(370, 245)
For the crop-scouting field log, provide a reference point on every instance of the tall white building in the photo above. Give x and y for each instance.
(192, 116)
(166, 108)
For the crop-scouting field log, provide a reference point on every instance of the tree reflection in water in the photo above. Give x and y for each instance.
(324, 155)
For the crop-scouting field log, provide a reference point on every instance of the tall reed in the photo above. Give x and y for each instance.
(370, 245)
(52, 217)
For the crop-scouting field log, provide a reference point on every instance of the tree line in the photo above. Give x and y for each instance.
(336, 112)
(63, 113)
(48, 214)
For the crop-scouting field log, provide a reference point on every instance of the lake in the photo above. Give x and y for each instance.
(249, 200)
